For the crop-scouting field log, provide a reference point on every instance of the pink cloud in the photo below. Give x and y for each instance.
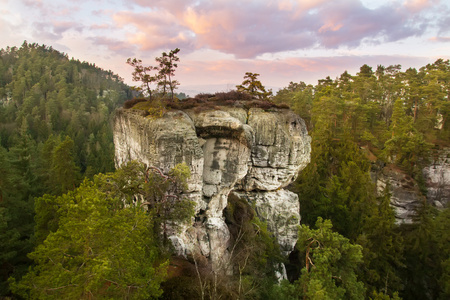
(243, 31)
(154, 30)
(419, 5)
(444, 39)
(116, 46)
(34, 3)
(251, 28)
(100, 26)
(171, 5)
(354, 24)
(246, 29)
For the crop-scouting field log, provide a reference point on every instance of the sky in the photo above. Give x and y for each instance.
(220, 40)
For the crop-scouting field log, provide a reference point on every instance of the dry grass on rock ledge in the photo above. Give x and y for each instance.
(203, 102)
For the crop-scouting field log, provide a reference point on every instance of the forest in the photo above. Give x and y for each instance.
(69, 228)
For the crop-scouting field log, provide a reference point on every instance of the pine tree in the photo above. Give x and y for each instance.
(252, 86)
(97, 251)
(65, 173)
(329, 264)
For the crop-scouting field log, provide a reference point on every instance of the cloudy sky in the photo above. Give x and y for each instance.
(220, 40)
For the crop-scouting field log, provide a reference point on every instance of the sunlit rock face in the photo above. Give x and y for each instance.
(251, 153)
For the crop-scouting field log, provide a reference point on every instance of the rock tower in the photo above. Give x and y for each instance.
(250, 153)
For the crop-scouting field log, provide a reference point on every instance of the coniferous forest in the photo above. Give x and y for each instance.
(69, 228)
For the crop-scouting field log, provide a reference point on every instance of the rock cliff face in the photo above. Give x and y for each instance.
(252, 153)
(405, 192)
(437, 178)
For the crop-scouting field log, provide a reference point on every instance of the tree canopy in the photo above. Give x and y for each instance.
(99, 250)
(359, 124)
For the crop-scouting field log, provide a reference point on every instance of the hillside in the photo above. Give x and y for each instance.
(55, 129)
(379, 168)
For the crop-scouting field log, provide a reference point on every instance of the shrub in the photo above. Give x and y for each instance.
(132, 102)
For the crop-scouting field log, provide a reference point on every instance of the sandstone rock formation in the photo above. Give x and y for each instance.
(406, 195)
(251, 153)
(437, 178)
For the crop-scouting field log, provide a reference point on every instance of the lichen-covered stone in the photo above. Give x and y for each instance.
(253, 153)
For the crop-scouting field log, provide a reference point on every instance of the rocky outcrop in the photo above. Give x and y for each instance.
(437, 178)
(406, 194)
(252, 153)
(280, 210)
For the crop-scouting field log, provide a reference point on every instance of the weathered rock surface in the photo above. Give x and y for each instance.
(406, 195)
(280, 209)
(252, 153)
(437, 178)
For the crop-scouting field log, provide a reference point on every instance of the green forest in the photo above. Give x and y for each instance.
(71, 227)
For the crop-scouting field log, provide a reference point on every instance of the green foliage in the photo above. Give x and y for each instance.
(64, 172)
(442, 236)
(16, 212)
(54, 124)
(392, 114)
(337, 185)
(97, 251)
(163, 196)
(166, 71)
(329, 263)
(149, 187)
(383, 249)
(46, 218)
(407, 147)
(299, 97)
(154, 109)
(252, 86)
(381, 296)
(9, 240)
(50, 94)
(427, 254)
(162, 77)
(143, 74)
(99, 241)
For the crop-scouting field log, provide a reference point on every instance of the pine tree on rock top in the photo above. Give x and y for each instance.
(252, 86)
